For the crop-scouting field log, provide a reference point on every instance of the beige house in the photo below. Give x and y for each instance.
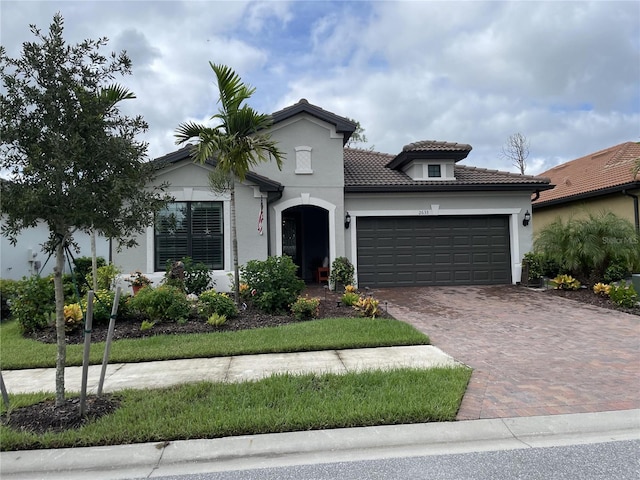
(603, 180)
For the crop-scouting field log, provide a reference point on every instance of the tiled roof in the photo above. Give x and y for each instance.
(365, 170)
(592, 175)
(265, 184)
(431, 145)
(342, 124)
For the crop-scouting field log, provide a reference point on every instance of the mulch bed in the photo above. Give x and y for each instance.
(586, 296)
(246, 319)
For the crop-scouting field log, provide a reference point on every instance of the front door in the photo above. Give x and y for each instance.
(305, 238)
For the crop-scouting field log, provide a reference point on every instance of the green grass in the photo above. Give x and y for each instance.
(281, 403)
(338, 333)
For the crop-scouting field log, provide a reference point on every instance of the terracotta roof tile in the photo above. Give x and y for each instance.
(593, 173)
(365, 168)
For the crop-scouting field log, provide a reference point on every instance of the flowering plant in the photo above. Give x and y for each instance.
(138, 279)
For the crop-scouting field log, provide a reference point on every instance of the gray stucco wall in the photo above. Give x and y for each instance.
(323, 188)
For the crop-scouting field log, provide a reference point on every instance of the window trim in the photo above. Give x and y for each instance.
(433, 165)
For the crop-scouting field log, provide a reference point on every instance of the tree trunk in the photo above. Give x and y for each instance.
(61, 358)
(234, 242)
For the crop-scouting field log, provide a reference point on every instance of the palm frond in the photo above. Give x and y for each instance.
(115, 93)
(233, 92)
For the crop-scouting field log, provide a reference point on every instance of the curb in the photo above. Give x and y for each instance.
(150, 460)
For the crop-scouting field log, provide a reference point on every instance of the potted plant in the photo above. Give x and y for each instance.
(532, 270)
(341, 273)
(138, 280)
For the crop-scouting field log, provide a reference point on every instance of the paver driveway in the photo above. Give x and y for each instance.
(532, 353)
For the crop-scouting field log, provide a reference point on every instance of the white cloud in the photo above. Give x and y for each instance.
(565, 74)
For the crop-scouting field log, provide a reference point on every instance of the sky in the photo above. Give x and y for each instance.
(566, 75)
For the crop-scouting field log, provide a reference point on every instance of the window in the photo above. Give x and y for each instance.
(433, 171)
(190, 229)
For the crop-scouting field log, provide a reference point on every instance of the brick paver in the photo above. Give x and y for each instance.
(532, 353)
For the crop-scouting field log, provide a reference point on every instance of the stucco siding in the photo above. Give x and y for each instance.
(617, 203)
(326, 153)
(27, 257)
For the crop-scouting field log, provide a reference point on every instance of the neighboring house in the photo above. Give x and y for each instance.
(415, 218)
(602, 180)
(27, 256)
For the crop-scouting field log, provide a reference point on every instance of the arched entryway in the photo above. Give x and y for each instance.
(305, 238)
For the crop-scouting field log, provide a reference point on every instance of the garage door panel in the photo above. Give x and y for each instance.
(396, 251)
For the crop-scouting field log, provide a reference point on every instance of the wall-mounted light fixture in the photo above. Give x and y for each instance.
(526, 219)
(347, 220)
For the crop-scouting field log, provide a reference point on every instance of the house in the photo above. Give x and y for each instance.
(418, 217)
(603, 180)
(28, 257)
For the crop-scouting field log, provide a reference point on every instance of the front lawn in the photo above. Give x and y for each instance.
(281, 403)
(209, 410)
(326, 334)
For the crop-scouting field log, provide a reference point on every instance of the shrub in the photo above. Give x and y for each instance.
(367, 306)
(8, 292)
(615, 272)
(623, 295)
(105, 276)
(350, 289)
(103, 304)
(305, 308)
(586, 247)
(534, 262)
(73, 317)
(601, 289)
(162, 303)
(82, 266)
(274, 281)
(341, 272)
(34, 304)
(196, 276)
(565, 282)
(350, 299)
(216, 320)
(219, 303)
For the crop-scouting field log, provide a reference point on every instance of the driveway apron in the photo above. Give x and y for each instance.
(532, 353)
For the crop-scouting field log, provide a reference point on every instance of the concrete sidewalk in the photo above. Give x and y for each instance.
(240, 368)
(152, 460)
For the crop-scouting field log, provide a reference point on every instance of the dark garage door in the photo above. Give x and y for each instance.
(404, 251)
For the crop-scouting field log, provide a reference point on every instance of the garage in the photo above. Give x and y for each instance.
(437, 250)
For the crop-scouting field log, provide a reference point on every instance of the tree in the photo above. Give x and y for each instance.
(237, 143)
(585, 247)
(516, 149)
(74, 160)
(358, 136)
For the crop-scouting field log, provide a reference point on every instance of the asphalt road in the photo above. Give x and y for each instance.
(610, 461)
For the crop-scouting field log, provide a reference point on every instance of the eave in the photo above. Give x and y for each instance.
(587, 195)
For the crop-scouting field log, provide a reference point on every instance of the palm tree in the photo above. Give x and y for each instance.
(236, 142)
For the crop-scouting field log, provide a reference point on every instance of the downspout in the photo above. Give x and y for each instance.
(537, 193)
(635, 208)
